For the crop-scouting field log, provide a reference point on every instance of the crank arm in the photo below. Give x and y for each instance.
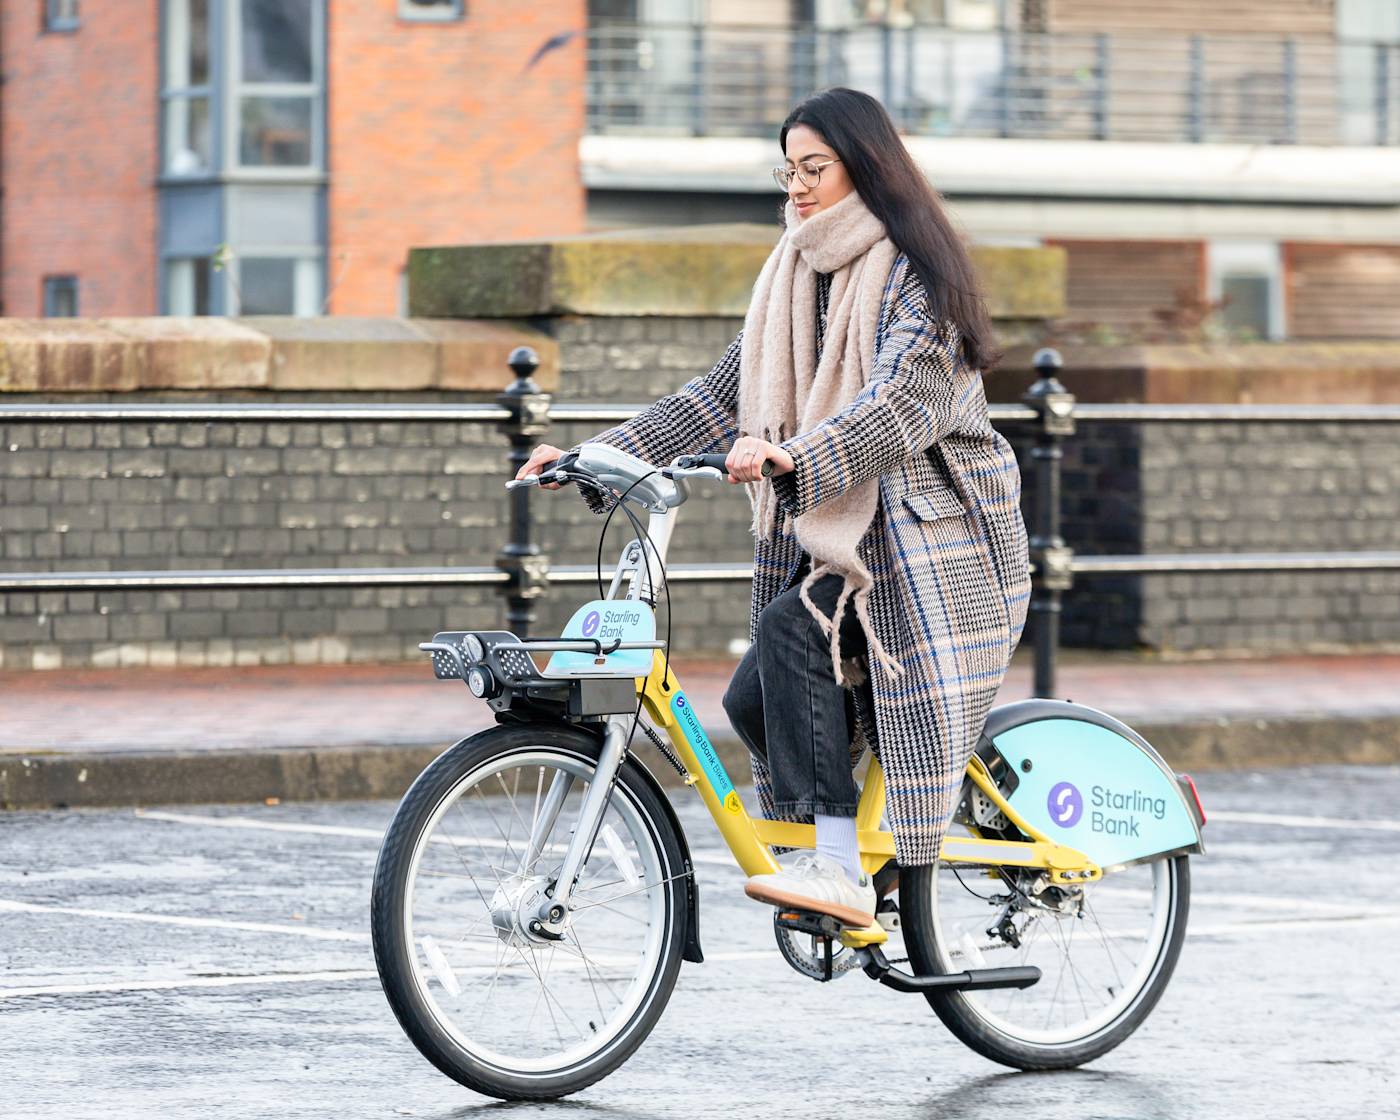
(973, 980)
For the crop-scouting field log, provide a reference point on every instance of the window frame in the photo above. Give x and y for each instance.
(56, 23)
(406, 13)
(312, 257)
(209, 91)
(1229, 256)
(52, 285)
(235, 89)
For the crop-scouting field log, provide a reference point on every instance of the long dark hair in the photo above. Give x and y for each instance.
(891, 185)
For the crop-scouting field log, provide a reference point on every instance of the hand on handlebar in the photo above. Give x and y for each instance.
(541, 458)
(746, 458)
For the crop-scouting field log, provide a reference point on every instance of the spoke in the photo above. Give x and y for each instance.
(491, 988)
(497, 825)
(535, 815)
(637, 890)
(1107, 945)
(588, 971)
(457, 803)
(514, 808)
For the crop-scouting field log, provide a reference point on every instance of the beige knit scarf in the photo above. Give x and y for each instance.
(783, 391)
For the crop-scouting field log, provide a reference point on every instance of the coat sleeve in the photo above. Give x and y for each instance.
(914, 397)
(697, 417)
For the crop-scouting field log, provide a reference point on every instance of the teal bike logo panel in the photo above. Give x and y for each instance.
(608, 620)
(705, 752)
(1089, 787)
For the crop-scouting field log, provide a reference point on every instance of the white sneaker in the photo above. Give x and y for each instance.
(819, 883)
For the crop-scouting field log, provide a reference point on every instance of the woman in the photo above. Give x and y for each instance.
(893, 505)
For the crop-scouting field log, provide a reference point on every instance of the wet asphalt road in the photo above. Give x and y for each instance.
(167, 965)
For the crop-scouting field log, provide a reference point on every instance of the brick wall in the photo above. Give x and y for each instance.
(1121, 284)
(1342, 291)
(80, 497)
(79, 185)
(1242, 17)
(439, 134)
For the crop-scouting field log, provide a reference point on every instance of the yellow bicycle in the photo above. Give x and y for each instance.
(535, 894)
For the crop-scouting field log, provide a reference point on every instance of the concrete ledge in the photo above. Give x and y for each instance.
(1233, 373)
(705, 270)
(329, 354)
(92, 779)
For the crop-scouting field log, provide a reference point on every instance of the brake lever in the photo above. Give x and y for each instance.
(560, 477)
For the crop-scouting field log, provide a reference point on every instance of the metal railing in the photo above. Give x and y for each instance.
(522, 571)
(698, 79)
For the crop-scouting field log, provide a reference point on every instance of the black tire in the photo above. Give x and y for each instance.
(393, 954)
(921, 934)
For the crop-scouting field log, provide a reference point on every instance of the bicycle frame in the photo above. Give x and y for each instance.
(750, 839)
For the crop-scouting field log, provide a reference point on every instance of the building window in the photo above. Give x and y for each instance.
(1247, 276)
(279, 286)
(187, 91)
(278, 83)
(187, 286)
(60, 297)
(434, 10)
(60, 15)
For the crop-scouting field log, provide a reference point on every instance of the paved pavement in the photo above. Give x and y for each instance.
(214, 961)
(142, 736)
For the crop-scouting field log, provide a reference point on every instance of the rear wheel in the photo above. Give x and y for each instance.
(1106, 952)
(493, 1002)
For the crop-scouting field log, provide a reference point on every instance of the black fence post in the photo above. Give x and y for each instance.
(1383, 52)
(1290, 91)
(1196, 92)
(1102, 65)
(1053, 569)
(520, 558)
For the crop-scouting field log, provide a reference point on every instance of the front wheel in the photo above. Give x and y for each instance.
(1106, 952)
(488, 996)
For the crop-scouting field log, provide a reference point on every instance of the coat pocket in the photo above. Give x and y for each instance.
(930, 505)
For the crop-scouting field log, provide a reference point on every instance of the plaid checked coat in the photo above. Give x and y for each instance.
(947, 545)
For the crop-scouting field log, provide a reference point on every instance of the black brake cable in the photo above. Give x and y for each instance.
(619, 502)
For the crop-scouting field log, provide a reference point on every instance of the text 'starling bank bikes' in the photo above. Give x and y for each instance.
(535, 896)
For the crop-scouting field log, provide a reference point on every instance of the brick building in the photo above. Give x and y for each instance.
(317, 142)
(1185, 153)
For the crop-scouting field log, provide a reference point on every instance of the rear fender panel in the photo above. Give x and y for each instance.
(1091, 782)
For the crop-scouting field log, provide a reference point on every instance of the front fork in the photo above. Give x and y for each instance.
(554, 906)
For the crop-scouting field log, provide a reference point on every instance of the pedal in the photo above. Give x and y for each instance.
(887, 916)
(821, 926)
(805, 921)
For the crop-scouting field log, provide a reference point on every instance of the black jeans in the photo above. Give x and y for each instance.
(786, 706)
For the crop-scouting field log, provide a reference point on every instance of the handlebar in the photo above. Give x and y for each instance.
(716, 460)
(559, 470)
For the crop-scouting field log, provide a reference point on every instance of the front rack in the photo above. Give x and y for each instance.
(516, 684)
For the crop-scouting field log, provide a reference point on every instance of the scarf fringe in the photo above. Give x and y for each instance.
(841, 669)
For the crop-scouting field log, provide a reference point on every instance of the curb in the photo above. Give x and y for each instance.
(45, 780)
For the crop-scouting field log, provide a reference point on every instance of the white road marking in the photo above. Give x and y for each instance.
(1287, 821)
(1378, 918)
(188, 982)
(183, 920)
(344, 830)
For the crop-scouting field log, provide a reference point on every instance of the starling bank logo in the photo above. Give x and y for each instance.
(590, 624)
(1066, 805)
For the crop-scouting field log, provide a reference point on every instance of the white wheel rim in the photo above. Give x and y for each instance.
(1092, 976)
(478, 959)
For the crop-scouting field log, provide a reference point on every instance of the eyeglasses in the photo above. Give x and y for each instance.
(808, 172)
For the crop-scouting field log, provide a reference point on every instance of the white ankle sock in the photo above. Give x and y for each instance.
(836, 837)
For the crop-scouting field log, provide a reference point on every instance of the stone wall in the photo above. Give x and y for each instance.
(106, 496)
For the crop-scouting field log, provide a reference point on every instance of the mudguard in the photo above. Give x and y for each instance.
(1089, 781)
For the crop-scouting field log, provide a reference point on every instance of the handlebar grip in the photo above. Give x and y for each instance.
(717, 460)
